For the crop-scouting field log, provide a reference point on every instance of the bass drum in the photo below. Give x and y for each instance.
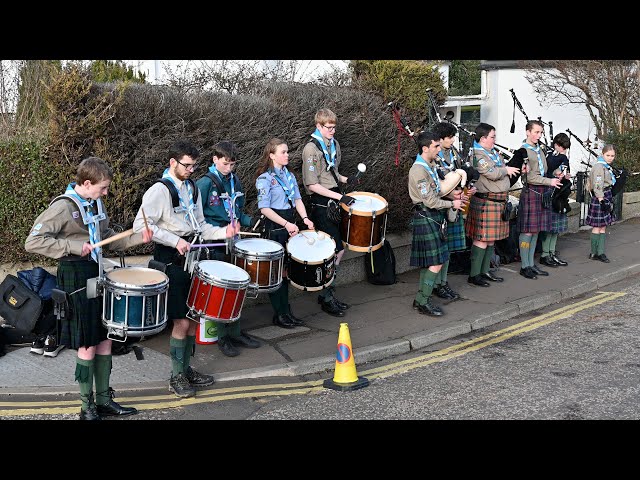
(311, 260)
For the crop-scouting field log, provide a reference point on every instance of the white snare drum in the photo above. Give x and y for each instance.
(311, 260)
(364, 222)
(217, 292)
(134, 302)
(262, 259)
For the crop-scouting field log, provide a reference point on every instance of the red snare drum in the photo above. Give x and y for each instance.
(364, 222)
(217, 291)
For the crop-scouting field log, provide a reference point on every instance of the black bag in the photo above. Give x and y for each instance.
(334, 213)
(380, 265)
(19, 306)
(506, 211)
(546, 199)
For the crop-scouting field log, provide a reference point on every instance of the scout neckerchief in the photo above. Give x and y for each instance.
(537, 150)
(608, 167)
(493, 155)
(289, 190)
(330, 159)
(189, 210)
(89, 218)
(226, 202)
(445, 164)
(421, 161)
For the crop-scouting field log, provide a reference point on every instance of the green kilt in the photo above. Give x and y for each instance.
(456, 237)
(83, 326)
(559, 222)
(484, 219)
(427, 248)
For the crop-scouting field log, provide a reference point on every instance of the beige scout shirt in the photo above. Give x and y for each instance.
(314, 166)
(534, 176)
(493, 179)
(167, 225)
(599, 179)
(422, 188)
(59, 232)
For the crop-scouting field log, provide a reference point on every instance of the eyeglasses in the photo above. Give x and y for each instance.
(189, 166)
(331, 129)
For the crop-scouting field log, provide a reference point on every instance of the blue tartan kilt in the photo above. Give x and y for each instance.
(427, 248)
(596, 217)
(559, 222)
(532, 218)
(456, 237)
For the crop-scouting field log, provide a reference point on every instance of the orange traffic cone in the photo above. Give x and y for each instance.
(345, 377)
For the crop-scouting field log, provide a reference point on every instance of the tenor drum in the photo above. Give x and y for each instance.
(217, 291)
(134, 302)
(364, 222)
(262, 259)
(311, 260)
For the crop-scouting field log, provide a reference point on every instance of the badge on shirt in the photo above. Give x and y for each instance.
(424, 189)
(599, 182)
(483, 163)
(214, 199)
(36, 229)
(75, 214)
(312, 168)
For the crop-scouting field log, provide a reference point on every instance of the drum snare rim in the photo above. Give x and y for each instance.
(253, 255)
(221, 282)
(366, 213)
(112, 285)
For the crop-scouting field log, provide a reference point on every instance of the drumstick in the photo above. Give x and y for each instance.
(117, 236)
(144, 217)
(249, 233)
(203, 245)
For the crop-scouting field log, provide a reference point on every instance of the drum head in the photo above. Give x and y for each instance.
(221, 273)
(366, 203)
(257, 247)
(136, 277)
(307, 246)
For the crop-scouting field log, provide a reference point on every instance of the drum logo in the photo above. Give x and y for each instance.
(329, 273)
(319, 276)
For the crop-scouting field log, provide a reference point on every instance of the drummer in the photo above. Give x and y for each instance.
(67, 230)
(278, 197)
(173, 226)
(221, 190)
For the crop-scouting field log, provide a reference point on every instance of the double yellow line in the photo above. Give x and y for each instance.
(154, 402)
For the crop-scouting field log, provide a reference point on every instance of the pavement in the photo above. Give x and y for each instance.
(381, 321)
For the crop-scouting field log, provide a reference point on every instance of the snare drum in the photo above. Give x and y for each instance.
(311, 260)
(364, 222)
(217, 291)
(134, 302)
(262, 259)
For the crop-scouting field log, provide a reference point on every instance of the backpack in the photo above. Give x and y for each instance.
(175, 200)
(380, 266)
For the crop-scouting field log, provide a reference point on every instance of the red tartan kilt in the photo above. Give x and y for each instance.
(484, 219)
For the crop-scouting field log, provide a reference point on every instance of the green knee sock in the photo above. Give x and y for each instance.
(595, 237)
(176, 352)
(477, 256)
(532, 249)
(546, 244)
(438, 280)
(426, 286)
(486, 260)
(443, 272)
(102, 375)
(188, 351)
(84, 377)
(601, 242)
(553, 238)
(525, 245)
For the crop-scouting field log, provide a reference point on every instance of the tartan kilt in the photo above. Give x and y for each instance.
(456, 237)
(83, 327)
(179, 281)
(427, 248)
(532, 218)
(596, 217)
(484, 219)
(559, 222)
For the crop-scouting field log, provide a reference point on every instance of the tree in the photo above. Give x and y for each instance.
(114, 71)
(464, 77)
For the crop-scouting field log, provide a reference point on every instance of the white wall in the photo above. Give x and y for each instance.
(497, 110)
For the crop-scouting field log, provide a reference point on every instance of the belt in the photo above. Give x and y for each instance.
(485, 196)
(419, 207)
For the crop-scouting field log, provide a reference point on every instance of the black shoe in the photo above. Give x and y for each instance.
(442, 293)
(451, 292)
(548, 261)
(594, 256)
(243, 340)
(292, 318)
(477, 280)
(430, 309)
(492, 277)
(227, 348)
(283, 321)
(603, 258)
(559, 261)
(179, 385)
(527, 272)
(112, 409)
(197, 379)
(90, 413)
(331, 308)
(415, 305)
(537, 271)
(38, 346)
(341, 305)
(51, 346)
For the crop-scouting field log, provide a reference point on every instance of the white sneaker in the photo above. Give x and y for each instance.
(37, 346)
(51, 347)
